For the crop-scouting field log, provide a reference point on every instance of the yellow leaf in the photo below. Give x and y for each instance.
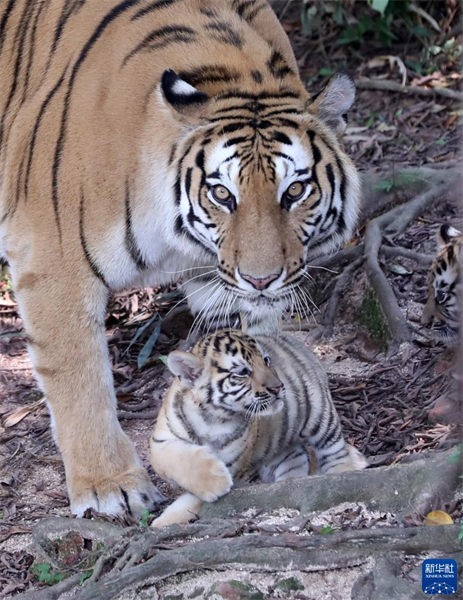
(438, 517)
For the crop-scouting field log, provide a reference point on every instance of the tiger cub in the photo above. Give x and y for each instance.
(443, 281)
(243, 407)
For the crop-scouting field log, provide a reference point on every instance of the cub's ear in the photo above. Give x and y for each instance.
(187, 367)
(181, 97)
(446, 234)
(333, 102)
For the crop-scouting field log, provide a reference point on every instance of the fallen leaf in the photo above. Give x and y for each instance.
(438, 517)
(19, 414)
(398, 269)
(380, 61)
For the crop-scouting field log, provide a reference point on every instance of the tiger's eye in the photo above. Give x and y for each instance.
(243, 372)
(296, 190)
(221, 193)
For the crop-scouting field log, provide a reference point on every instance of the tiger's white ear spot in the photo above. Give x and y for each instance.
(334, 101)
(181, 96)
(186, 366)
(446, 234)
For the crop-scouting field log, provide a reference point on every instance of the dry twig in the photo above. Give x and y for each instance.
(365, 83)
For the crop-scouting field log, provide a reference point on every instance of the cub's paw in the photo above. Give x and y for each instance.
(184, 509)
(131, 492)
(354, 461)
(211, 478)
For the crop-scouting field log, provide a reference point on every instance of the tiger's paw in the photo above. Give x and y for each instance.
(131, 491)
(354, 461)
(183, 510)
(212, 479)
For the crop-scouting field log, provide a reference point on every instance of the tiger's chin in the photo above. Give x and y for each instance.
(267, 408)
(271, 409)
(263, 313)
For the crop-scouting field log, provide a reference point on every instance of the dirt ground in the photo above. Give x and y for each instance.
(391, 406)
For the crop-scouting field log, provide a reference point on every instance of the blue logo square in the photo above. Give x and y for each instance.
(439, 576)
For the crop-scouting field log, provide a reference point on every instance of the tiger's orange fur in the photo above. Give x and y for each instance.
(112, 114)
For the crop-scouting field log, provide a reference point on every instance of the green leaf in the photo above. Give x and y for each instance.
(44, 573)
(145, 352)
(289, 584)
(141, 330)
(385, 186)
(326, 71)
(379, 5)
(460, 535)
(327, 529)
(163, 358)
(85, 576)
(145, 517)
(456, 457)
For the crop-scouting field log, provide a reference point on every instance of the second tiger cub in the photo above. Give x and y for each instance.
(242, 407)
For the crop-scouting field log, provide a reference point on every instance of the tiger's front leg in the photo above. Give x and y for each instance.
(194, 468)
(63, 308)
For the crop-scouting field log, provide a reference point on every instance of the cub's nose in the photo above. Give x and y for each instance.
(275, 389)
(260, 283)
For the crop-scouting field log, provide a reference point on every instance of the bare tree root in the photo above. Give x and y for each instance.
(379, 228)
(397, 323)
(393, 223)
(133, 559)
(272, 553)
(124, 414)
(342, 281)
(419, 257)
(365, 83)
(338, 259)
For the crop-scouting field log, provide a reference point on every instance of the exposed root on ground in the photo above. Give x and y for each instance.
(364, 83)
(126, 559)
(380, 232)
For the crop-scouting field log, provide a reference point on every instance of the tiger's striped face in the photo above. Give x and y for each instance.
(234, 375)
(444, 278)
(263, 185)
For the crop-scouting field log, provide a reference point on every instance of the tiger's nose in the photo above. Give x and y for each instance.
(275, 389)
(260, 283)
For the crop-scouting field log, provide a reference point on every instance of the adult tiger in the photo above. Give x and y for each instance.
(142, 137)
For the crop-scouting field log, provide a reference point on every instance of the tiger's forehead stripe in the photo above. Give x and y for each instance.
(153, 6)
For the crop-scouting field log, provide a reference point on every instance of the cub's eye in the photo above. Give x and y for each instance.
(222, 195)
(295, 191)
(242, 372)
(267, 360)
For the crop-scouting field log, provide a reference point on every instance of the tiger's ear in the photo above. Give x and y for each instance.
(446, 234)
(182, 98)
(333, 102)
(186, 366)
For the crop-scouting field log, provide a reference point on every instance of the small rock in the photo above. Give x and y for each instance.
(234, 590)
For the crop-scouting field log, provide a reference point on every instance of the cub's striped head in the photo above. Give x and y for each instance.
(229, 372)
(443, 281)
(262, 183)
